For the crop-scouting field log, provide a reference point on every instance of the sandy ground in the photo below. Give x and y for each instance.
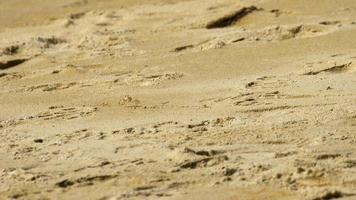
(173, 99)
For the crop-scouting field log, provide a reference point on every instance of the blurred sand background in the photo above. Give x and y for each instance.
(178, 99)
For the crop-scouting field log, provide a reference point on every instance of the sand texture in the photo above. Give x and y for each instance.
(178, 99)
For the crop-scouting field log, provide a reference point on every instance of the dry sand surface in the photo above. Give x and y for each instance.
(178, 99)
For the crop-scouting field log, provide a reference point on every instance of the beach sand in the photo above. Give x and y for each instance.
(178, 99)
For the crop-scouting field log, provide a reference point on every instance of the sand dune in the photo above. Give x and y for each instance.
(178, 99)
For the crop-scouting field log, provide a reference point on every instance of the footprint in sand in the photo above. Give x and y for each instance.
(66, 113)
(146, 78)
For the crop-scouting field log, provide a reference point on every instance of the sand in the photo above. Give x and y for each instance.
(178, 99)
